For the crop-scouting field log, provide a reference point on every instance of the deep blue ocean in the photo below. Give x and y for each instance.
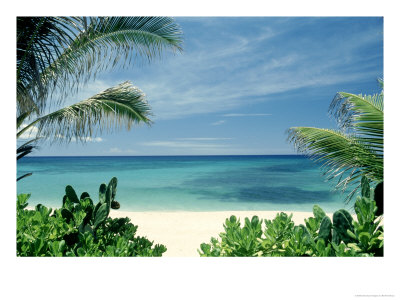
(185, 183)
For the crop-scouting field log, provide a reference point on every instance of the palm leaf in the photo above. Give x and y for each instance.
(23, 176)
(340, 154)
(354, 151)
(40, 41)
(362, 115)
(106, 42)
(24, 150)
(117, 106)
(89, 46)
(21, 118)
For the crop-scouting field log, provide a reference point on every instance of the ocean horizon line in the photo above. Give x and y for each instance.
(189, 155)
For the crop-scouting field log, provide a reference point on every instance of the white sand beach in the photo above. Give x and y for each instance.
(183, 232)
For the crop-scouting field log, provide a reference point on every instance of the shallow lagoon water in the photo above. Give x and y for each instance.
(185, 183)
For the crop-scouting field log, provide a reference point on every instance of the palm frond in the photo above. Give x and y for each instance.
(107, 42)
(355, 150)
(40, 40)
(67, 52)
(23, 176)
(362, 115)
(340, 154)
(21, 118)
(24, 150)
(112, 108)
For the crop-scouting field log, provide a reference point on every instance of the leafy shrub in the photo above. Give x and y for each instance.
(320, 236)
(79, 228)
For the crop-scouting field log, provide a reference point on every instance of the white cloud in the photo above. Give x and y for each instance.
(116, 150)
(88, 139)
(29, 133)
(201, 147)
(226, 71)
(204, 139)
(191, 147)
(218, 123)
(245, 115)
(238, 70)
(176, 144)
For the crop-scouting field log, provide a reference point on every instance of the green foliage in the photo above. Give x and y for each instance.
(342, 221)
(325, 229)
(318, 237)
(353, 151)
(57, 56)
(367, 230)
(79, 228)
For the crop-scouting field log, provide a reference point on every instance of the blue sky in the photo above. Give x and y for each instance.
(240, 83)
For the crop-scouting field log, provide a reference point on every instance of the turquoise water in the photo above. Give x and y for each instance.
(189, 183)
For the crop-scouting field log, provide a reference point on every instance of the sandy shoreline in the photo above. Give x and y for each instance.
(183, 232)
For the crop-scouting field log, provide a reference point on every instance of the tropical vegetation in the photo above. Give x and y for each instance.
(355, 149)
(57, 56)
(353, 155)
(79, 228)
(320, 236)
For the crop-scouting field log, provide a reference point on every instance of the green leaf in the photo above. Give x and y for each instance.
(325, 231)
(365, 188)
(320, 246)
(70, 192)
(354, 247)
(102, 193)
(81, 252)
(351, 234)
(67, 215)
(101, 215)
(319, 213)
(84, 195)
(61, 246)
(364, 238)
(22, 201)
(113, 183)
(206, 248)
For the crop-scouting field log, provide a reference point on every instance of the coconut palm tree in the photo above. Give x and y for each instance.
(57, 56)
(353, 151)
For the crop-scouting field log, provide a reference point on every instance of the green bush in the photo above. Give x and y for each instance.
(79, 228)
(318, 237)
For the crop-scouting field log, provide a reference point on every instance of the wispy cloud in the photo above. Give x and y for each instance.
(201, 147)
(207, 146)
(245, 115)
(116, 150)
(32, 133)
(204, 139)
(83, 139)
(218, 123)
(182, 144)
(89, 139)
(234, 70)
